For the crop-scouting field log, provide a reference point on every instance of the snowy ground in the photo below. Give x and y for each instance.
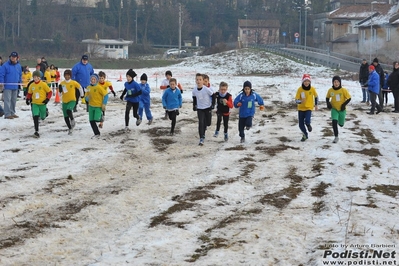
(145, 198)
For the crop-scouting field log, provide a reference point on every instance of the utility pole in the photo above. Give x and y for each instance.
(136, 26)
(180, 25)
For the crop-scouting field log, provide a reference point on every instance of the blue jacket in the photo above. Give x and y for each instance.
(145, 96)
(11, 73)
(247, 108)
(374, 82)
(171, 99)
(81, 73)
(132, 88)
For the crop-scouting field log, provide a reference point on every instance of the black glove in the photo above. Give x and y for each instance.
(121, 97)
(28, 101)
(329, 106)
(343, 107)
(164, 107)
(114, 93)
(194, 108)
(177, 112)
(46, 101)
(60, 88)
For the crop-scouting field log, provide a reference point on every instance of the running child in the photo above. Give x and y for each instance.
(97, 98)
(106, 85)
(202, 103)
(39, 94)
(224, 102)
(67, 89)
(307, 99)
(246, 102)
(339, 97)
(171, 102)
(145, 99)
(132, 91)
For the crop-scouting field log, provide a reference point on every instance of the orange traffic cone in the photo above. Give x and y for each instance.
(120, 78)
(57, 97)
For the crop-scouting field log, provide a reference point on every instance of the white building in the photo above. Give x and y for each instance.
(107, 48)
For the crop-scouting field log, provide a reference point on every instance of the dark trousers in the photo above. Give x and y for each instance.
(94, 126)
(381, 98)
(225, 119)
(129, 106)
(242, 123)
(396, 99)
(374, 104)
(204, 120)
(172, 116)
(77, 94)
(304, 118)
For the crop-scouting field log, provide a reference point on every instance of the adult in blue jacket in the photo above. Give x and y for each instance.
(10, 80)
(246, 102)
(374, 89)
(81, 73)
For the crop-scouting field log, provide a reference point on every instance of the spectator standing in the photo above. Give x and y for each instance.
(10, 79)
(380, 73)
(81, 73)
(363, 78)
(374, 88)
(393, 84)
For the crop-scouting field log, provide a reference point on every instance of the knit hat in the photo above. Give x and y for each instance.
(36, 73)
(144, 77)
(168, 73)
(131, 73)
(375, 60)
(68, 72)
(247, 84)
(305, 77)
(371, 67)
(14, 54)
(85, 57)
(96, 76)
(336, 78)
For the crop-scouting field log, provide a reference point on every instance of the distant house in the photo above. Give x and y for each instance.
(378, 34)
(341, 31)
(107, 48)
(363, 30)
(259, 31)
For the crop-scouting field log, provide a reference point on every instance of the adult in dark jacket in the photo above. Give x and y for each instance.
(393, 84)
(363, 78)
(380, 73)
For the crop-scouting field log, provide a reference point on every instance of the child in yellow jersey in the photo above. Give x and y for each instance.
(106, 85)
(97, 98)
(47, 76)
(340, 97)
(306, 98)
(53, 75)
(67, 88)
(38, 94)
(26, 77)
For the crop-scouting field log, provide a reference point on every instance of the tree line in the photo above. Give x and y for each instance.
(47, 27)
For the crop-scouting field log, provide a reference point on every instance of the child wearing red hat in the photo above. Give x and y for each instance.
(307, 99)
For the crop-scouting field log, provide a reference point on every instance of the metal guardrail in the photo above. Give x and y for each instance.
(289, 51)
